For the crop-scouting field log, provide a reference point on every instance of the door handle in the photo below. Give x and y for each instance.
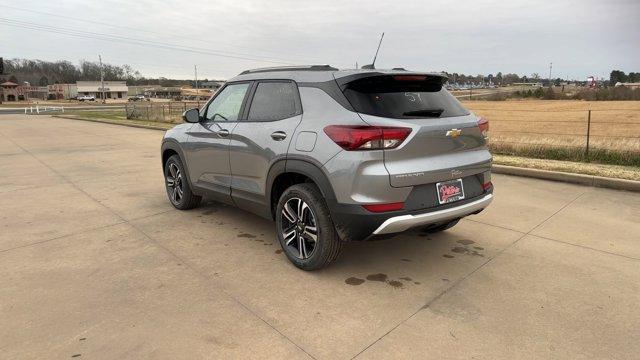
(223, 132)
(279, 135)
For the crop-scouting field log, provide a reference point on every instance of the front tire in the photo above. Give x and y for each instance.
(178, 190)
(305, 229)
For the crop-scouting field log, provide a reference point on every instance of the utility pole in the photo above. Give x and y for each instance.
(550, 66)
(1, 73)
(101, 80)
(195, 69)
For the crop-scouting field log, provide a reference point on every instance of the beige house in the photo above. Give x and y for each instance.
(112, 89)
(62, 91)
(13, 92)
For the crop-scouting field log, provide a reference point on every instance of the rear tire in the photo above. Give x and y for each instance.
(304, 228)
(178, 190)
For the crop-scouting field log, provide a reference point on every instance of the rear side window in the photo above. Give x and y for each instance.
(273, 101)
(403, 97)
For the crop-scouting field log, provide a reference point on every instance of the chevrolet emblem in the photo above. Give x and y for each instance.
(454, 133)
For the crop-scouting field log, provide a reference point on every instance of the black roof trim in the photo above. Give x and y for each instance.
(291, 68)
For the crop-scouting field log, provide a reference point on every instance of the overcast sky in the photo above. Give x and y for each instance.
(580, 37)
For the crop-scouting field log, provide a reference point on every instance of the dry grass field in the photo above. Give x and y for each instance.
(557, 129)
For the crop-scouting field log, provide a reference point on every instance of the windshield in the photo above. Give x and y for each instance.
(394, 97)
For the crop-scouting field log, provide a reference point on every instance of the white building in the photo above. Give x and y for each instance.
(629, 85)
(112, 89)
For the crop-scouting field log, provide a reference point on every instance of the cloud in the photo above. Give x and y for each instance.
(477, 37)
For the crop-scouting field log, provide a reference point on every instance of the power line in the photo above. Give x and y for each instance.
(134, 41)
(119, 26)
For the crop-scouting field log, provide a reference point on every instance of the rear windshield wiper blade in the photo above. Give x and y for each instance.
(425, 112)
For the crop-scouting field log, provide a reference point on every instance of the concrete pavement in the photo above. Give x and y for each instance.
(95, 263)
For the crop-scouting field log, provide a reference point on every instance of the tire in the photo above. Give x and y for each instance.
(440, 227)
(315, 215)
(179, 192)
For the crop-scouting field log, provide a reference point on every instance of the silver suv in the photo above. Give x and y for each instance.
(332, 155)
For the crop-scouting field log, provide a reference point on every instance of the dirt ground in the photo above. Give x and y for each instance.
(614, 124)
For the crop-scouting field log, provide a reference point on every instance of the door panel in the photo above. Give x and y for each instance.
(262, 139)
(253, 150)
(208, 156)
(207, 151)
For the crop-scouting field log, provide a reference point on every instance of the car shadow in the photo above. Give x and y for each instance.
(404, 260)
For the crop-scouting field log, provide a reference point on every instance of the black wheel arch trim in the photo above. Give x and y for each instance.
(343, 216)
(307, 167)
(170, 144)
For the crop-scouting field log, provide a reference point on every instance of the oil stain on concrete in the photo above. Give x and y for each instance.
(465, 249)
(384, 278)
(377, 277)
(354, 281)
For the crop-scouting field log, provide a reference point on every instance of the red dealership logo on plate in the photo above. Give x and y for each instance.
(447, 191)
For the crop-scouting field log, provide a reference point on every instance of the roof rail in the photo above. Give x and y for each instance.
(291, 68)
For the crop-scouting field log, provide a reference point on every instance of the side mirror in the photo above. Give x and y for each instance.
(191, 116)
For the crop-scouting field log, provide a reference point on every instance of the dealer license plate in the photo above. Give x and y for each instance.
(450, 191)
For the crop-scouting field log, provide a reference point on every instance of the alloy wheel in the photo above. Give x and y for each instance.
(299, 228)
(174, 183)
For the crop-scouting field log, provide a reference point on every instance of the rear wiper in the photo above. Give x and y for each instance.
(425, 112)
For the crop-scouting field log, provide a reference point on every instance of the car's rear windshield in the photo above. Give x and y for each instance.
(403, 97)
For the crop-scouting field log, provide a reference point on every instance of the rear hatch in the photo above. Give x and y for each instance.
(445, 141)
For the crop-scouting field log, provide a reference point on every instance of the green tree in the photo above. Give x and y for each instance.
(511, 78)
(617, 76)
(43, 81)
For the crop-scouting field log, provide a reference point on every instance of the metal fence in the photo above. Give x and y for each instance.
(165, 112)
(609, 135)
(573, 134)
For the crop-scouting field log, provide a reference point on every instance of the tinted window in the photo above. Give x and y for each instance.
(387, 96)
(273, 101)
(226, 105)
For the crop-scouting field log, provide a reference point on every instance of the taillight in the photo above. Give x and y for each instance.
(487, 185)
(367, 137)
(384, 207)
(483, 124)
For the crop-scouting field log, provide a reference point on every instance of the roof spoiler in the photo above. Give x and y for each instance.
(440, 78)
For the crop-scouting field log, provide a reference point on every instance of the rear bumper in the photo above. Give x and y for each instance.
(404, 222)
(354, 223)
